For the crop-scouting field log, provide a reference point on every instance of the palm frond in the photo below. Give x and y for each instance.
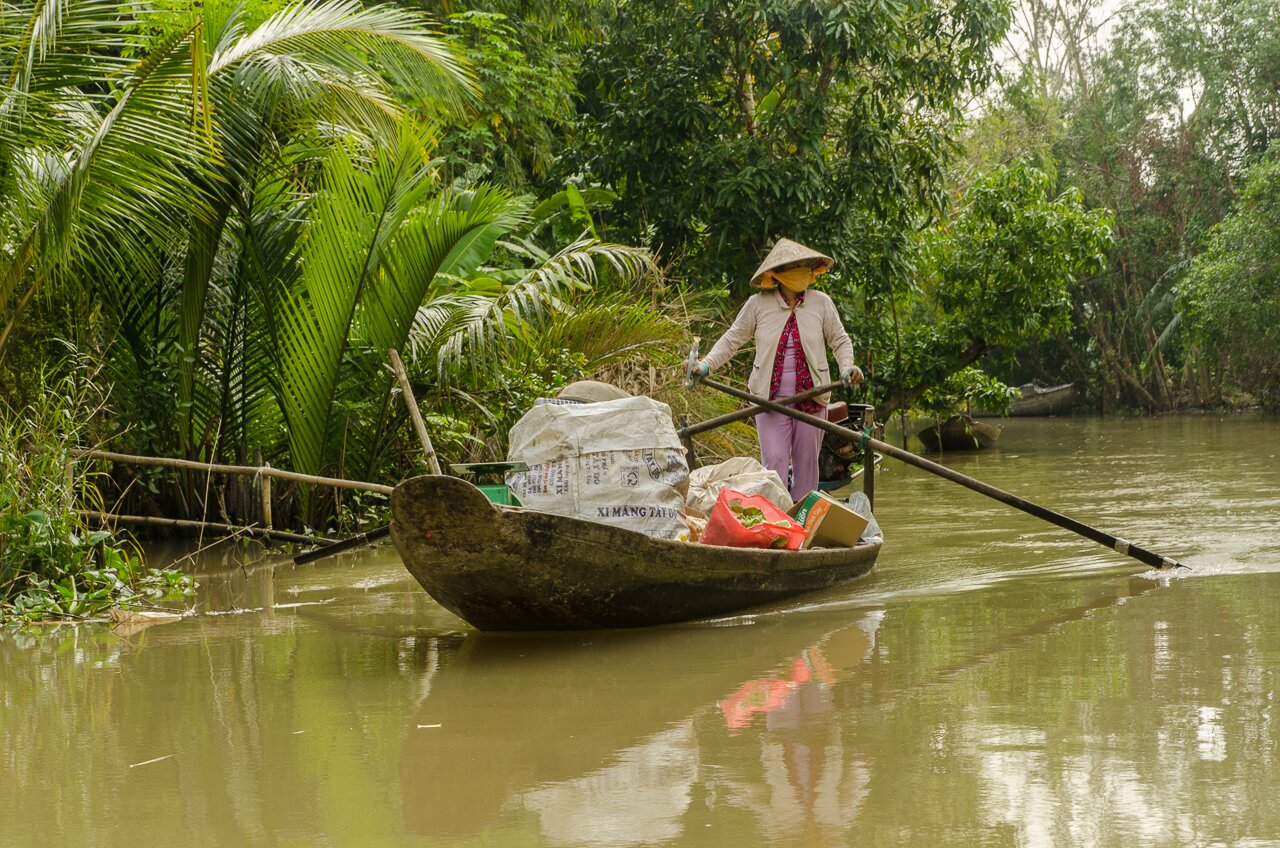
(609, 331)
(204, 240)
(343, 35)
(1162, 340)
(121, 185)
(478, 325)
(452, 234)
(453, 228)
(292, 93)
(357, 213)
(59, 45)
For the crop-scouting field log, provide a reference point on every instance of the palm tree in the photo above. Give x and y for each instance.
(262, 221)
(89, 141)
(107, 162)
(380, 231)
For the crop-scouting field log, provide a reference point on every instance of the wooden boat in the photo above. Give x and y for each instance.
(506, 569)
(1035, 401)
(959, 433)
(1054, 400)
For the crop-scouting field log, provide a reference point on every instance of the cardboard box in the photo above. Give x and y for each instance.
(828, 523)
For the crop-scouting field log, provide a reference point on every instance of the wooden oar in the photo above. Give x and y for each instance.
(1056, 518)
(743, 414)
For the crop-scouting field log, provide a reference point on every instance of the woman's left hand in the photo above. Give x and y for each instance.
(851, 376)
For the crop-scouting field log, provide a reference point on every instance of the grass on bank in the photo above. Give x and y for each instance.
(52, 564)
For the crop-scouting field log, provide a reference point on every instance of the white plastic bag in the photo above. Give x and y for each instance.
(858, 503)
(618, 462)
(741, 473)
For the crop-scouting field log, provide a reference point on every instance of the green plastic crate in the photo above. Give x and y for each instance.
(500, 494)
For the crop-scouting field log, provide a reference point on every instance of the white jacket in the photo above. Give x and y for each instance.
(762, 318)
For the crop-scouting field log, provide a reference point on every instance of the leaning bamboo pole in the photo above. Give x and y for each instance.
(183, 524)
(415, 414)
(264, 470)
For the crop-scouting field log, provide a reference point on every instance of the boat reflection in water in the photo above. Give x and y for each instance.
(767, 730)
(604, 738)
(639, 799)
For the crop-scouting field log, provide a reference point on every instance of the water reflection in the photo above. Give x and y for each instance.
(1067, 715)
(578, 730)
(808, 783)
(995, 683)
(638, 799)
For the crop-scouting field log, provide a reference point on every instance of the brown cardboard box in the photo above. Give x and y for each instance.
(828, 523)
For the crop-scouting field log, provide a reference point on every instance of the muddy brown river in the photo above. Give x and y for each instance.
(996, 681)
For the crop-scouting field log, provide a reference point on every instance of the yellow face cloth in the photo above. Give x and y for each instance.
(796, 280)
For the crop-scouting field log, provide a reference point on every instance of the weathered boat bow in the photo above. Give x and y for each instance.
(512, 569)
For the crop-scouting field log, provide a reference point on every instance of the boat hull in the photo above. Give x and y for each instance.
(512, 569)
(1051, 401)
(959, 433)
(1036, 402)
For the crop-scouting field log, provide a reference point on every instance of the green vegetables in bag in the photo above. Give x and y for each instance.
(751, 516)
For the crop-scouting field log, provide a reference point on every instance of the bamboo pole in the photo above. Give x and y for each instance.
(266, 499)
(182, 524)
(754, 410)
(266, 471)
(414, 413)
(869, 460)
(1121, 546)
(264, 489)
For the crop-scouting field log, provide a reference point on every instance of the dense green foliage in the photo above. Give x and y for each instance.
(243, 275)
(995, 274)
(525, 101)
(1161, 125)
(267, 290)
(1231, 297)
(237, 210)
(723, 126)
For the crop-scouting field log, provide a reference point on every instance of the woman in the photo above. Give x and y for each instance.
(792, 327)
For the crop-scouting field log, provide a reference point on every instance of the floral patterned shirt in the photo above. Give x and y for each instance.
(804, 378)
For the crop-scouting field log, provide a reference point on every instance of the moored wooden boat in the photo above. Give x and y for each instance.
(959, 433)
(1035, 401)
(505, 569)
(1054, 400)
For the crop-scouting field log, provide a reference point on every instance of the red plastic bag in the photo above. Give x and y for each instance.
(770, 526)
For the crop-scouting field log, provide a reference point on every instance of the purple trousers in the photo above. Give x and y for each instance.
(788, 446)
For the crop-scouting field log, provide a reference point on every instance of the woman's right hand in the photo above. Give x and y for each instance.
(698, 370)
(851, 376)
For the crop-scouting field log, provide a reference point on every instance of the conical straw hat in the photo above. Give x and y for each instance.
(787, 254)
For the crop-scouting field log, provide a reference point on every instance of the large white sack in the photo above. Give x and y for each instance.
(618, 462)
(740, 473)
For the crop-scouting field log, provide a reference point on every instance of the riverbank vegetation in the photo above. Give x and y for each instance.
(53, 561)
(231, 212)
